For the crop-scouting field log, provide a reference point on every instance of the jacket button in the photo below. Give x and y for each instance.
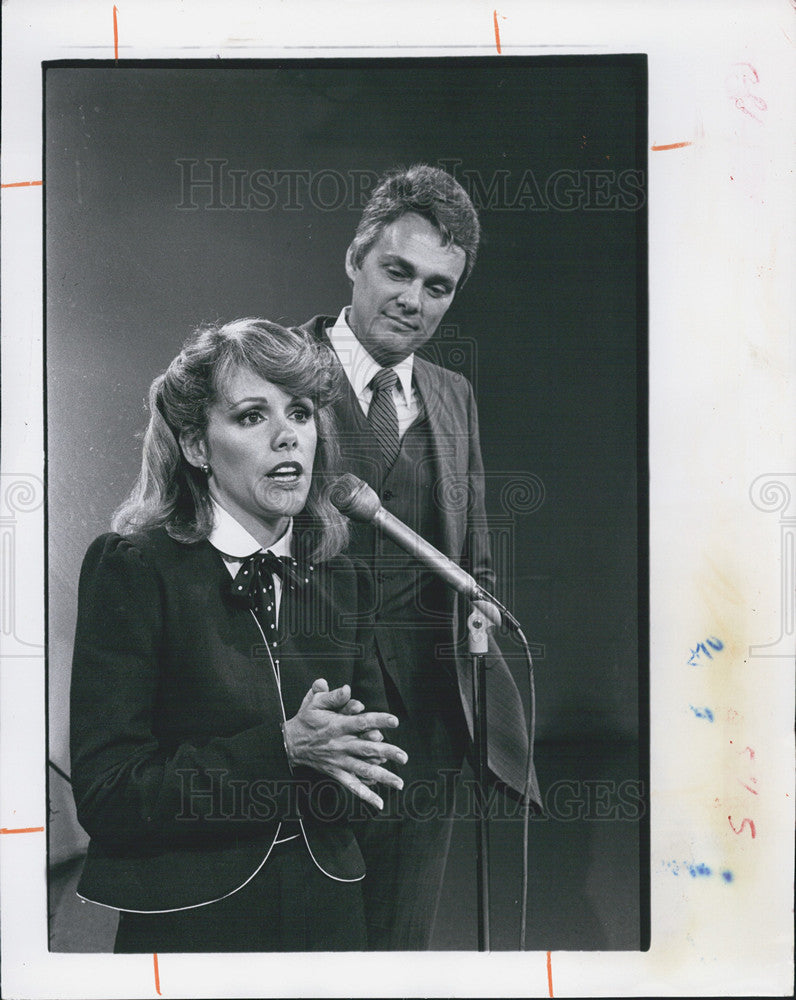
(388, 494)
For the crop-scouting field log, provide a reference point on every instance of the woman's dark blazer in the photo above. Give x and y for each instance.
(179, 769)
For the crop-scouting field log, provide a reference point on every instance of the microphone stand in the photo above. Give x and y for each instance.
(355, 499)
(478, 643)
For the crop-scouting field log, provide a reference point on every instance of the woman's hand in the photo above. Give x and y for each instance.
(352, 707)
(332, 733)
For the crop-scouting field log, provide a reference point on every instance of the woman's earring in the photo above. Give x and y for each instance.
(205, 469)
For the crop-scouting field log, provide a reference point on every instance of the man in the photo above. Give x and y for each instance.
(410, 430)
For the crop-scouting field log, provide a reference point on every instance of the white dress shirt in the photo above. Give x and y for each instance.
(360, 367)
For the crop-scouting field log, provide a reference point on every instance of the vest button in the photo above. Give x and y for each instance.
(388, 494)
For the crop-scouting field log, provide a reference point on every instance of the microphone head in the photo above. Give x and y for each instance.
(354, 498)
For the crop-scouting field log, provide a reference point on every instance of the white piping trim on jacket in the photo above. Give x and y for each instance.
(191, 906)
(208, 902)
(320, 867)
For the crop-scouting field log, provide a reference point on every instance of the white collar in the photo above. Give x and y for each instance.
(232, 540)
(358, 364)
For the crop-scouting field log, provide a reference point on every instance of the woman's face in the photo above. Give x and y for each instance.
(260, 446)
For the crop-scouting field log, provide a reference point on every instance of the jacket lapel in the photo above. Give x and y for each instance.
(446, 442)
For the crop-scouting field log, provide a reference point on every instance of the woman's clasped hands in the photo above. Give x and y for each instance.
(332, 733)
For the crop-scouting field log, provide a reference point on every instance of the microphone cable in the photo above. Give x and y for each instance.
(355, 499)
(514, 626)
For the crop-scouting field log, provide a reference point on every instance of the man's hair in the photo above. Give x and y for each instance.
(430, 192)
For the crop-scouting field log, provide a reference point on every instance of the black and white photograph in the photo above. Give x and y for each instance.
(397, 579)
(346, 390)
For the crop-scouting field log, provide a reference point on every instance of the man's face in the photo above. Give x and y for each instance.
(402, 288)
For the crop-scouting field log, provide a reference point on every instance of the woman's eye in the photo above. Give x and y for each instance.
(250, 417)
(302, 414)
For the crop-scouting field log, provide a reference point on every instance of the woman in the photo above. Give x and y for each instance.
(219, 732)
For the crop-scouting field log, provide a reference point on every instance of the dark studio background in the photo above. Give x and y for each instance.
(551, 329)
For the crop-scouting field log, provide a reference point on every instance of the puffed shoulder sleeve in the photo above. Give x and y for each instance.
(129, 786)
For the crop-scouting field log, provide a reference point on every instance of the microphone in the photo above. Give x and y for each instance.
(354, 498)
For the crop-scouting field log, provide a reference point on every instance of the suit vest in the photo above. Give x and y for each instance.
(413, 608)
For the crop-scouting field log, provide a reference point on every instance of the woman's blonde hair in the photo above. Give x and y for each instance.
(173, 494)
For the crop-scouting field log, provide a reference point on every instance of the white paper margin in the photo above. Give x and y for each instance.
(723, 469)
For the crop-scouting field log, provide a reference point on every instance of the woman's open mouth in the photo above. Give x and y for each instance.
(286, 472)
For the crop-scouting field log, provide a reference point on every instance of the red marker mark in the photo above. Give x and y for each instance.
(748, 788)
(549, 975)
(746, 821)
(744, 79)
(116, 46)
(751, 752)
(672, 145)
(23, 184)
(25, 829)
(497, 30)
(157, 975)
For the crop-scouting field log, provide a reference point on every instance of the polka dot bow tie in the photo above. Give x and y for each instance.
(253, 583)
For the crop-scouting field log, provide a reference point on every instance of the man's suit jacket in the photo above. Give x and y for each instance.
(450, 408)
(179, 770)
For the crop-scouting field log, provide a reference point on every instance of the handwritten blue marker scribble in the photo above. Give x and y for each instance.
(702, 713)
(702, 649)
(700, 870)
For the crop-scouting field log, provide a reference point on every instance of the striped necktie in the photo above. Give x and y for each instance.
(382, 415)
